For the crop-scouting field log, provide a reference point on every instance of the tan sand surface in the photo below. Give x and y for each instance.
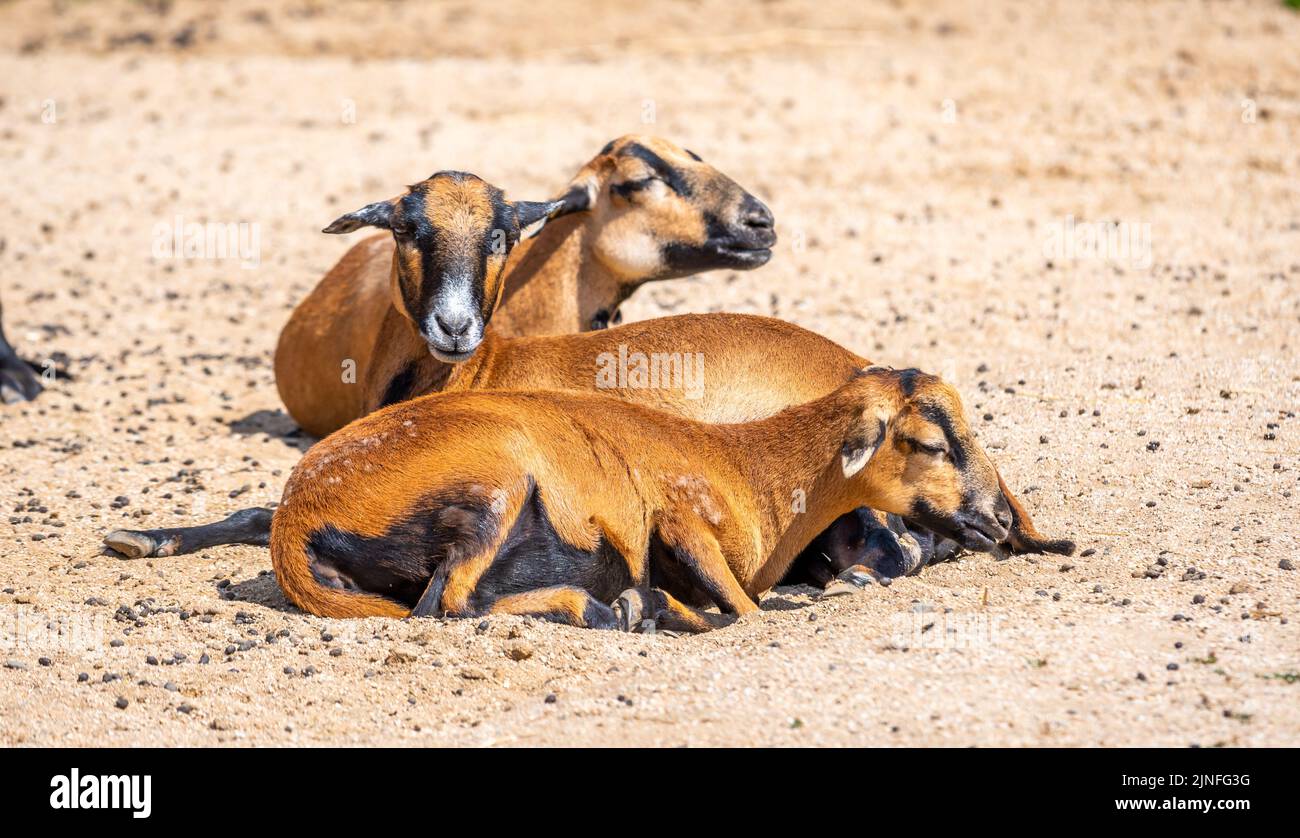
(918, 157)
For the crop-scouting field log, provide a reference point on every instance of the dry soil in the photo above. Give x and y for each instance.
(922, 160)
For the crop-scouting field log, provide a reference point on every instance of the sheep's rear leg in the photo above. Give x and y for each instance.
(699, 560)
(700, 557)
(247, 526)
(470, 597)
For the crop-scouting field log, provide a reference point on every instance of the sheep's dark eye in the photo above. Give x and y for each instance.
(929, 449)
(401, 228)
(628, 187)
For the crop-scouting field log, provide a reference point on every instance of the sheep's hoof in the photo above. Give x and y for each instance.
(133, 545)
(850, 581)
(914, 553)
(859, 576)
(632, 611)
(838, 588)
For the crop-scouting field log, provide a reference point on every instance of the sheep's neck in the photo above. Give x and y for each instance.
(792, 462)
(554, 285)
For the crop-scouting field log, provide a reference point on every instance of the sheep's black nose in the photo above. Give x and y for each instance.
(456, 324)
(754, 213)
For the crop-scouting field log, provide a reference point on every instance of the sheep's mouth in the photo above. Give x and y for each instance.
(745, 244)
(450, 356)
(737, 255)
(714, 254)
(970, 533)
(974, 538)
(451, 350)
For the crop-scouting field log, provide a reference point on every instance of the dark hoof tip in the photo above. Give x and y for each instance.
(133, 545)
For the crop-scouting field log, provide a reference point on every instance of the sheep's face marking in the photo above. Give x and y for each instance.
(928, 467)
(666, 213)
(454, 232)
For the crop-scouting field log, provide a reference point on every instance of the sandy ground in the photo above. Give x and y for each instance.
(921, 160)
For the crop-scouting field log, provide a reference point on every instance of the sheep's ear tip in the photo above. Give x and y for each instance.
(1060, 546)
(1064, 546)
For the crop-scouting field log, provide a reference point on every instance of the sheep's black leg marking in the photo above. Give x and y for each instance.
(453, 558)
(247, 526)
(465, 558)
(534, 557)
(430, 602)
(839, 547)
(598, 615)
(534, 571)
(820, 573)
(898, 548)
(700, 564)
(809, 568)
(411, 561)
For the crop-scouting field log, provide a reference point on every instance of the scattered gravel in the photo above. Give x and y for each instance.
(901, 254)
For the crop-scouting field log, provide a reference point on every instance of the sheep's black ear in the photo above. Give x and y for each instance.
(1024, 536)
(863, 440)
(533, 215)
(378, 214)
